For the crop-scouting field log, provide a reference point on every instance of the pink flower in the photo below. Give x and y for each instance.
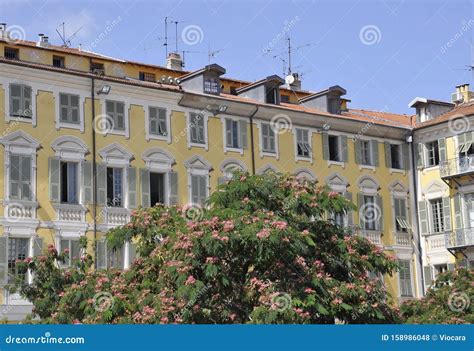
(333, 194)
(190, 280)
(337, 301)
(309, 291)
(280, 225)
(228, 226)
(264, 233)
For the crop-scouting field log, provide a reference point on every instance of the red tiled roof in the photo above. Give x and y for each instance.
(462, 110)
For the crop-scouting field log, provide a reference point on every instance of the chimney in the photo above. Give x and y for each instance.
(43, 41)
(174, 61)
(3, 31)
(296, 84)
(462, 94)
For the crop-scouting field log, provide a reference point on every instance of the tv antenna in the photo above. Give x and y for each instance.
(66, 40)
(212, 53)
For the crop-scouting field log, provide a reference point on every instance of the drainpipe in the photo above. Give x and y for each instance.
(415, 186)
(252, 148)
(94, 169)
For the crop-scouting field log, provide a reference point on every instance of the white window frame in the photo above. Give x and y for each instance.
(260, 133)
(440, 211)
(400, 157)
(310, 141)
(369, 150)
(235, 164)
(339, 147)
(34, 90)
(205, 117)
(20, 143)
(70, 237)
(227, 149)
(197, 165)
(159, 161)
(426, 155)
(150, 136)
(126, 109)
(82, 99)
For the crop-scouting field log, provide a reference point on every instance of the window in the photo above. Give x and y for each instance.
(198, 189)
(114, 187)
(147, 77)
(196, 127)
(115, 257)
(334, 105)
(58, 61)
(18, 249)
(158, 123)
(20, 101)
(116, 111)
(365, 152)
(285, 99)
(369, 214)
(268, 138)
(97, 68)
(69, 108)
(236, 133)
(400, 209)
(20, 177)
(271, 96)
(211, 85)
(157, 188)
(432, 154)
(334, 148)
(72, 245)
(404, 276)
(69, 182)
(396, 156)
(440, 268)
(302, 143)
(437, 216)
(11, 53)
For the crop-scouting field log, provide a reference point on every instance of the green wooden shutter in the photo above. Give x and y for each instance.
(360, 203)
(202, 189)
(37, 246)
(173, 184)
(420, 162)
(101, 254)
(243, 134)
(27, 104)
(388, 154)
(345, 153)
(54, 179)
(87, 181)
(427, 272)
(3, 260)
(458, 211)
(101, 184)
(447, 214)
(442, 149)
(15, 99)
(350, 213)
(357, 151)
(461, 141)
(379, 203)
(325, 138)
(405, 157)
(228, 132)
(132, 187)
(423, 214)
(145, 187)
(194, 189)
(375, 152)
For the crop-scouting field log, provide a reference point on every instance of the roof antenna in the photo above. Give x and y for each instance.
(66, 40)
(212, 54)
(166, 38)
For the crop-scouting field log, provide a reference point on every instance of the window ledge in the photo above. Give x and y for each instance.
(431, 168)
(232, 149)
(62, 125)
(336, 163)
(20, 119)
(397, 170)
(115, 132)
(201, 145)
(367, 167)
(302, 158)
(269, 154)
(159, 137)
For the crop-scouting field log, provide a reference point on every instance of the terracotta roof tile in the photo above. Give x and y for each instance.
(462, 110)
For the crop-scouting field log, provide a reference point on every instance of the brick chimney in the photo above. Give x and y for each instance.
(174, 61)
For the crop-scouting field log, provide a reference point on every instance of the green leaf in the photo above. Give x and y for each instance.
(309, 241)
(322, 310)
(346, 306)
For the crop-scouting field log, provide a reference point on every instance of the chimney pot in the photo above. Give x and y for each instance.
(43, 40)
(174, 61)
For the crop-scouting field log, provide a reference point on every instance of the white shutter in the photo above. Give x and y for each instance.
(54, 180)
(145, 187)
(101, 184)
(3, 260)
(87, 181)
(37, 246)
(173, 186)
(132, 187)
(243, 134)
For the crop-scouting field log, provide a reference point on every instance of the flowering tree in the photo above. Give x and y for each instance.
(447, 301)
(262, 252)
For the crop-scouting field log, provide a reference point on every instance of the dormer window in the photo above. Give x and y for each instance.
(11, 53)
(147, 77)
(97, 68)
(272, 95)
(211, 85)
(58, 61)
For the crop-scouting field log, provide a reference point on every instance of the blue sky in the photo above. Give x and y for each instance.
(384, 53)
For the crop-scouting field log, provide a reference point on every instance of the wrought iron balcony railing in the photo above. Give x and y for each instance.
(460, 238)
(458, 166)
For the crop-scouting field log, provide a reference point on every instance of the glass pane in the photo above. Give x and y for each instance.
(64, 99)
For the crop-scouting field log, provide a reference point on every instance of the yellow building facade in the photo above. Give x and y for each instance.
(86, 139)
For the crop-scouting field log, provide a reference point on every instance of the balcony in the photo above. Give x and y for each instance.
(436, 242)
(374, 236)
(115, 216)
(457, 167)
(70, 213)
(460, 238)
(402, 239)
